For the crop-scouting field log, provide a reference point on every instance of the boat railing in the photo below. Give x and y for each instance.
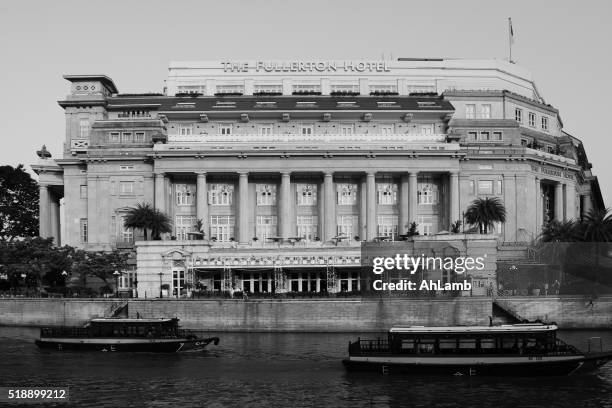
(64, 332)
(369, 346)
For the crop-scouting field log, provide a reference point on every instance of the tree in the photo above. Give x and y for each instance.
(143, 216)
(484, 212)
(101, 265)
(18, 203)
(597, 226)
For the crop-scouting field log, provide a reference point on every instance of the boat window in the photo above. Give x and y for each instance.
(141, 330)
(407, 344)
(487, 344)
(509, 343)
(467, 344)
(426, 346)
(447, 345)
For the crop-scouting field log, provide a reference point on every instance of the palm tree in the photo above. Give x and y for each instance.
(555, 242)
(597, 226)
(143, 216)
(484, 212)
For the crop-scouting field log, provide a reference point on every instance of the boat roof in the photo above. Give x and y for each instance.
(128, 320)
(504, 328)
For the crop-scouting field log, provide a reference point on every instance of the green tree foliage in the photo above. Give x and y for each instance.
(18, 203)
(144, 217)
(101, 265)
(485, 212)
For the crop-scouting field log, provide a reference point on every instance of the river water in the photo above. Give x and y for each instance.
(277, 370)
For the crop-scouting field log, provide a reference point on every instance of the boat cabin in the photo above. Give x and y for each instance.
(467, 340)
(118, 327)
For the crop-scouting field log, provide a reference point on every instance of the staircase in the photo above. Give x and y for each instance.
(502, 314)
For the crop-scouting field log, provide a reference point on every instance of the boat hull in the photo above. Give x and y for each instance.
(448, 366)
(126, 345)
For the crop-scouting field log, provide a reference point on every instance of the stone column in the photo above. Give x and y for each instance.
(372, 226)
(44, 219)
(54, 215)
(539, 210)
(412, 197)
(454, 197)
(202, 202)
(284, 206)
(570, 201)
(559, 201)
(160, 192)
(329, 206)
(243, 207)
(404, 199)
(587, 204)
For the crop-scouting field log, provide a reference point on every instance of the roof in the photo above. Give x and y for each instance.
(505, 328)
(120, 320)
(285, 103)
(106, 81)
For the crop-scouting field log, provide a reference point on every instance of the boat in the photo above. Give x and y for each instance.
(124, 334)
(527, 349)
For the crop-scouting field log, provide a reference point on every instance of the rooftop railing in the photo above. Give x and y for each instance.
(313, 138)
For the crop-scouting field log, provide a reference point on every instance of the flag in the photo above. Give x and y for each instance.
(511, 31)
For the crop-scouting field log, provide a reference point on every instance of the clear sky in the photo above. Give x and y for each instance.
(566, 44)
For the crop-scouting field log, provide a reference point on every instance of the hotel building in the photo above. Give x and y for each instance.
(289, 166)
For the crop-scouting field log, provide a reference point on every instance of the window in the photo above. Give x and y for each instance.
(347, 225)
(497, 136)
(498, 187)
(485, 187)
(83, 229)
(126, 187)
(347, 194)
(266, 227)
(306, 88)
(126, 137)
(427, 129)
(383, 88)
(184, 224)
(387, 193)
(427, 193)
(352, 88)
(266, 194)
(126, 234)
(532, 119)
(178, 281)
(387, 225)
(220, 194)
(230, 89)
(113, 137)
(83, 191)
(544, 123)
(472, 187)
(387, 129)
(425, 224)
(473, 136)
(268, 88)
(470, 111)
(184, 194)
(485, 136)
(84, 128)
(191, 88)
(139, 137)
(306, 194)
(485, 111)
(222, 227)
(185, 130)
(307, 129)
(518, 115)
(124, 167)
(346, 129)
(523, 142)
(266, 129)
(225, 128)
(420, 88)
(126, 281)
(550, 149)
(307, 226)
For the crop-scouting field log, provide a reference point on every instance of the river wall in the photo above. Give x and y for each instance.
(319, 315)
(569, 312)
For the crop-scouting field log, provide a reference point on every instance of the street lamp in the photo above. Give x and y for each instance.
(116, 274)
(161, 294)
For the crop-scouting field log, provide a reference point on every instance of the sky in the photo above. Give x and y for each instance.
(565, 44)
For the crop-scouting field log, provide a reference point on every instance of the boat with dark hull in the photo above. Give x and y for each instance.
(506, 350)
(123, 334)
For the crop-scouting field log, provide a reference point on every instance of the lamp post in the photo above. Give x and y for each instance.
(116, 274)
(161, 294)
(64, 274)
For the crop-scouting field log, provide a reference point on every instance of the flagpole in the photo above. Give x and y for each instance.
(510, 37)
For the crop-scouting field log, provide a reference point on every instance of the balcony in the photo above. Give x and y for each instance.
(79, 145)
(329, 138)
(550, 156)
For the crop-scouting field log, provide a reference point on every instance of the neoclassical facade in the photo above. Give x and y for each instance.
(273, 173)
